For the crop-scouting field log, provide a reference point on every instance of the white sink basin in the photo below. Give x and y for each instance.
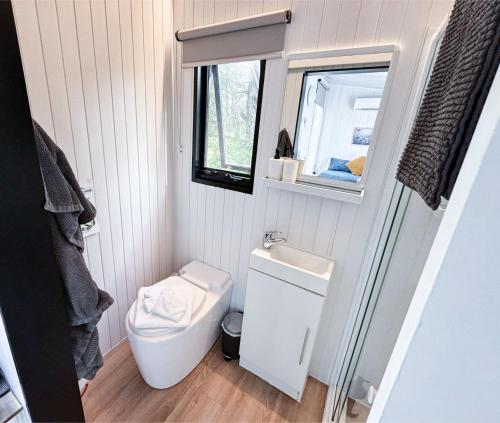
(294, 266)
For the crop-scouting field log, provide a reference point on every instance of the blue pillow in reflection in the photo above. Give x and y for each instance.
(338, 165)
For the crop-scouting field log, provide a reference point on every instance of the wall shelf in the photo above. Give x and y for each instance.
(332, 193)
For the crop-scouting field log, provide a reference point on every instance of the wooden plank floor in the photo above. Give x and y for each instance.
(215, 391)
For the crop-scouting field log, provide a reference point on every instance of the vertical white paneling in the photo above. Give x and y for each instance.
(127, 54)
(227, 229)
(88, 75)
(92, 107)
(243, 8)
(198, 12)
(297, 26)
(149, 74)
(168, 113)
(235, 243)
(30, 44)
(209, 229)
(284, 212)
(330, 21)
(231, 9)
(54, 68)
(367, 22)
(180, 189)
(78, 116)
(218, 226)
(192, 224)
(99, 26)
(73, 80)
(255, 7)
(186, 96)
(327, 224)
(310, 224)
(269, 128)
(142, 134)
(208, 12)
(219, 10)
(201, 220)
(187, 216)
(269, 5)
(273, 202)
(349, 18)
(326, 227)
(297, 219)
(246, 245)
(439, 11)
(162, 55)
(312, 27)
(391, 19)
(121, 141)
(188, 17)
(339, 251)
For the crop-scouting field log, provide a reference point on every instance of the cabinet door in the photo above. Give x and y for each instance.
(279, 327)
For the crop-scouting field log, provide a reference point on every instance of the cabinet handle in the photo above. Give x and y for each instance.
(303, 346)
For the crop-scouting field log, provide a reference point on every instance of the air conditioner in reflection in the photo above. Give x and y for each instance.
(367, 103)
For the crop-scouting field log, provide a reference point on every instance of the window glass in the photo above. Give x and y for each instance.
(232, 105)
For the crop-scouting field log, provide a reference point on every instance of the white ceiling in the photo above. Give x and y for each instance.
(358, 79)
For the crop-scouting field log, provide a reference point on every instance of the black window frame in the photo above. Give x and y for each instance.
(202, 174)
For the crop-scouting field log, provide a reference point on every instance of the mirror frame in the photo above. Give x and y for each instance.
(359, 58)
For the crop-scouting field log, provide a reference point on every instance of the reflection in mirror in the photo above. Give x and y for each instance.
(337, 113)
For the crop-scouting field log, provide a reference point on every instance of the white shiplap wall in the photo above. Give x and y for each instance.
(221, 227)
(95, 77)
(415, 237)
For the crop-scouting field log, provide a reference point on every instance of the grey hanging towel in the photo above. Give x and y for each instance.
(465, 67)
(284, 144)
(69, 208)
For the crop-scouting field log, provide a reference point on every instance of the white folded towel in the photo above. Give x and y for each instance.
(168, 306)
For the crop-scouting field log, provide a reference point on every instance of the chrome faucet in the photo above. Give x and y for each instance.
(273, 237)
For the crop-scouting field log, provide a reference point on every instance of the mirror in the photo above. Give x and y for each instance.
(331, 112)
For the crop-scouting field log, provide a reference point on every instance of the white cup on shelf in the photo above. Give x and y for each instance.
(290, 170)
(275, 169)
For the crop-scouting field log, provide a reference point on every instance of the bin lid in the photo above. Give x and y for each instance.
(232, 323)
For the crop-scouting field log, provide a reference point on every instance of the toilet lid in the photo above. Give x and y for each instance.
(198, 301)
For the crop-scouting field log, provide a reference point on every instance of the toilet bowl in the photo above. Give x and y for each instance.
(166, 356)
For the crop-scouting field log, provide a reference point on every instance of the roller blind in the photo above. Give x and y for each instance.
(252, 37)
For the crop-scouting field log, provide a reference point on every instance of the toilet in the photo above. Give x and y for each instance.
(166, 356)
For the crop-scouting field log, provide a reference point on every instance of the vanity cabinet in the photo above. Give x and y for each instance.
(279, 329)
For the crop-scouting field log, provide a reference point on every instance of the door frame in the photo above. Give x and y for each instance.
(32, 302)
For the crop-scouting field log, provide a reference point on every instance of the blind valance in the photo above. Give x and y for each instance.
(255, 36)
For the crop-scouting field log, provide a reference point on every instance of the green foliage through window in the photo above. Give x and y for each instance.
(233, 90)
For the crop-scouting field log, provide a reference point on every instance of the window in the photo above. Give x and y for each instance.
(227, 102)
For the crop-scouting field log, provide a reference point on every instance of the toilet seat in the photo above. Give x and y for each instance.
(199, 296)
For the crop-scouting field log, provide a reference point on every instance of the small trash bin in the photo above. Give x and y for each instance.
(231, 335)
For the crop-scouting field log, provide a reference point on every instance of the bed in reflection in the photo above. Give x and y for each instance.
(339, 175)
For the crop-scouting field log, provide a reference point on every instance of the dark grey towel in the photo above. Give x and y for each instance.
(69, 208)
(460, 81)
(284, 144)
